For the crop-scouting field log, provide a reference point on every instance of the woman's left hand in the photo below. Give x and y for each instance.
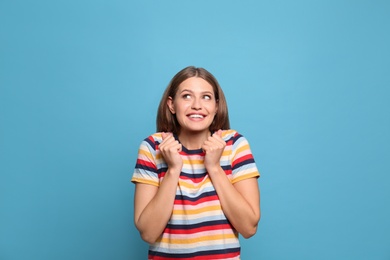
(213, 148)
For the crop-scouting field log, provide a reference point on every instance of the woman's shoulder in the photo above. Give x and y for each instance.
(230, 134)
(154, 138)
(233, 137)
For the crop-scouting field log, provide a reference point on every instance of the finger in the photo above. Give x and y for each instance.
(179, 148)
(166, 143)
(218, 138)
(214, 140)
(168, 138)
(218, 133)
(214, 144)
(165, 135)
(170, 144)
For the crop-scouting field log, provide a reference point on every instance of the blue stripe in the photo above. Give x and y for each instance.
(198, 225)
(151, 143)
(193, 193)
(194, 175)
(196, 220)
(244, 163)
(195, 254)
(144, 167)
(202, 195)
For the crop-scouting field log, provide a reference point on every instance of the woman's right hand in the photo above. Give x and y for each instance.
(170, 149)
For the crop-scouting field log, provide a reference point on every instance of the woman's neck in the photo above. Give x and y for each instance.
(193, 140)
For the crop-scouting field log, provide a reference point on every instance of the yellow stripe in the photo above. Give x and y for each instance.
(144, 181)
(193, 162)
(246, 176)
(196, 211)
(227, 152)
(194, 185)
(197, 239)
(144, 152)
(227, 132)
(148, 154)
(243, 148)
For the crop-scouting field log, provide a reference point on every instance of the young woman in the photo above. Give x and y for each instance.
(196, 179)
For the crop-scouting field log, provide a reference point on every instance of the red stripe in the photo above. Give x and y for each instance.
(188, 202)
(219, 256)
(146, 163)
(188, 231)
(241, 159)
(229, 142)
(195, 180)
(203, 257)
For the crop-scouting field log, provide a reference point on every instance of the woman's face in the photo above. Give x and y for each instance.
(194, 105)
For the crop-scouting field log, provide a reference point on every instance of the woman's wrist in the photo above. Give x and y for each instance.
(174, 171)
(212, 170)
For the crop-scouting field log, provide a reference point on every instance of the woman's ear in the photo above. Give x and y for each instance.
(170, 105)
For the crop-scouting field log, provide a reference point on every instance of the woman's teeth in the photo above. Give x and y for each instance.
(196, 116)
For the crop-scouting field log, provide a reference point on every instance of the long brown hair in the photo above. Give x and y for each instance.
(167, 122)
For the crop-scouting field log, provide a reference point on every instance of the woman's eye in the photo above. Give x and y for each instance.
(186, 96)
(207, 97)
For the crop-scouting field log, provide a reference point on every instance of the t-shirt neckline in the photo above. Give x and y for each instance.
(186, 150)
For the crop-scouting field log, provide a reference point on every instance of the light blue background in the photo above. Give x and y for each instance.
(307, 83)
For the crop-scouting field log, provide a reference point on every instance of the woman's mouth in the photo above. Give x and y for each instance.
(200, 116)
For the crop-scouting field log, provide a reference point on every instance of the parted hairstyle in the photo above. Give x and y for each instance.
(167, 122)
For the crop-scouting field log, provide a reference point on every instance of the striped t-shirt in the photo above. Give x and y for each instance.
(198, 228)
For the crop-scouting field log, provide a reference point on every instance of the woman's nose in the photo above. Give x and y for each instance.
(196, 104)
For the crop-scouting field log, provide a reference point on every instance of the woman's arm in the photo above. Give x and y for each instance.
(153, 205)
(240, 201)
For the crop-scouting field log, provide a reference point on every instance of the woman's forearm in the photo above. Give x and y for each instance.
(241, 209)
(155, 216)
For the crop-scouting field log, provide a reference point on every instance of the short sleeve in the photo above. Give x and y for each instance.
(243, 163)
(145, 169)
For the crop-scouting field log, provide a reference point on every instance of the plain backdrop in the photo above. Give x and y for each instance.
(307, 83)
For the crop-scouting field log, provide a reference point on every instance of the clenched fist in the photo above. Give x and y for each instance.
(170, 149)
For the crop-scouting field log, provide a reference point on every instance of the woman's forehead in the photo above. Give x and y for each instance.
(195, 84)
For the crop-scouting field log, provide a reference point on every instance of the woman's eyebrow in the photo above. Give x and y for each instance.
(202, 92)
(188, 90)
